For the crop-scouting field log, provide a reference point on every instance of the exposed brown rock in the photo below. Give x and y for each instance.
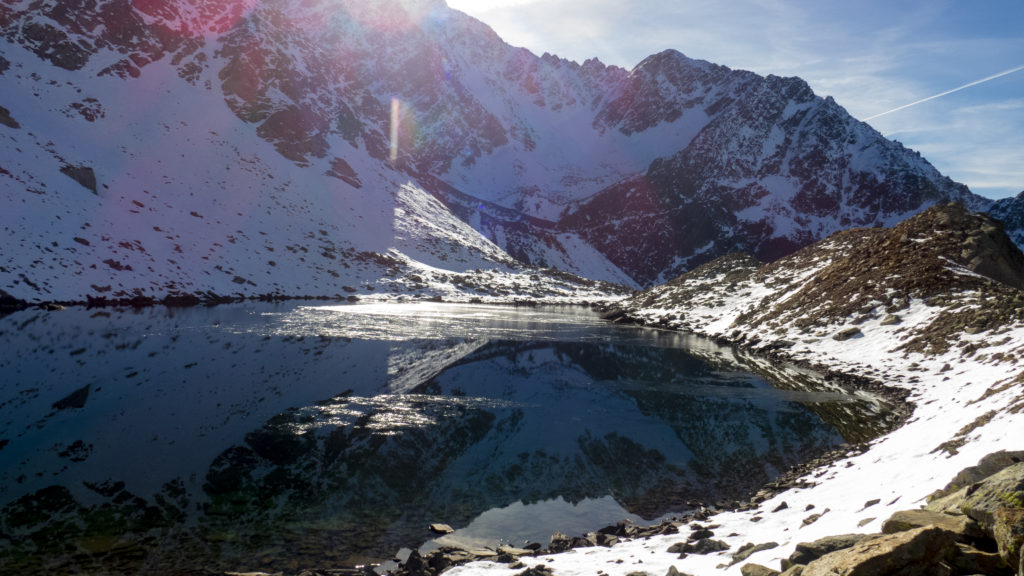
(969, 560)
(966, 529)
(922, 551)
(997, 505)
(757, 570)
(807, 552)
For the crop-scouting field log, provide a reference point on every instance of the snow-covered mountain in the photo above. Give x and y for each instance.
(246, 147)
(1011, 212)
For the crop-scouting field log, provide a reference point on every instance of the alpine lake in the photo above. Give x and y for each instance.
(290, 436)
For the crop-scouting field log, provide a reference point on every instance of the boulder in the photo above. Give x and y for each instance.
(966, 529)
(1008, 532)
(807, 552)
(969, 560)
(757, 570)
(538, 570)
(847, 333)
(919, 552)
(705, 546)
(987, 466)
(749, 549)
(997, 505)
(441, 529)
(947, 503)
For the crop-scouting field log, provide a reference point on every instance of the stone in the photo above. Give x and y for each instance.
(699, 533)
(986, 467)
(997, 505)
(677, 548)
(538, 570)
(441, 529)
(918, 552)
(847, 333)
(811, 519)
(705, 546)
(1008, 532)
(513, 551)
(807, 552)
(949, 503)
(966, 528)
(969, 560)
(757, 570)
(414, 564)
(796, 570)
(559, 542)
(748, 550)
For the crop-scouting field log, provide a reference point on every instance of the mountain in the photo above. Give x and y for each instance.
(243, 147)
(1011, 212)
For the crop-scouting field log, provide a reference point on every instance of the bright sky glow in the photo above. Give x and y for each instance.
(910, 66)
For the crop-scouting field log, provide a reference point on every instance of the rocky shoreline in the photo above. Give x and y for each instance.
(975, 525)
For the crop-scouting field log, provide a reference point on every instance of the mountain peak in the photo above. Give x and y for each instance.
(671, 58)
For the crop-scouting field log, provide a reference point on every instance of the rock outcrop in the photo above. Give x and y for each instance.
(971, 529)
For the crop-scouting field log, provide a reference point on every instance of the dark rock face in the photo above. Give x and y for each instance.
(715, 195)
(84, 175)
(7, 120)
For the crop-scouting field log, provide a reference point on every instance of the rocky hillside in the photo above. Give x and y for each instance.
(245, 147)
(953, 261)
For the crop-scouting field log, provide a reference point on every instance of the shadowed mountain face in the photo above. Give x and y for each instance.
(194, 135)
(247, 438)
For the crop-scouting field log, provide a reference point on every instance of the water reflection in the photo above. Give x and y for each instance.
(280, 437)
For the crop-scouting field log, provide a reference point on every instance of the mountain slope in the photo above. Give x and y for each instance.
(1011, 212)
(256, 129)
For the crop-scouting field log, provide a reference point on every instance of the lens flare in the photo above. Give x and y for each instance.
(396, 119)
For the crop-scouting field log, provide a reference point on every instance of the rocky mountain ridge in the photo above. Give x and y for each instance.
(263, 132)
(947, 258)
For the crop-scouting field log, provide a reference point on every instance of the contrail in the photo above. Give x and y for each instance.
(957, 89)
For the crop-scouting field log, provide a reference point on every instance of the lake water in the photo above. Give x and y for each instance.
(281, 437)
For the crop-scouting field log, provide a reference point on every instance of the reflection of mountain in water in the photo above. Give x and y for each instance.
(477, 425)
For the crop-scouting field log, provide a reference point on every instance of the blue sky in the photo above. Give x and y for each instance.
(872, 56)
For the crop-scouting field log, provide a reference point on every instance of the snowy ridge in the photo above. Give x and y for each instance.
(245, 221)
(965, 378)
